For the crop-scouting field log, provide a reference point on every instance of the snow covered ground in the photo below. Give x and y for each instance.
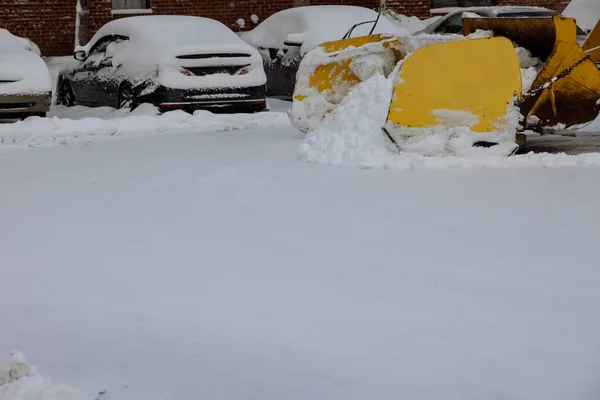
(200, 257)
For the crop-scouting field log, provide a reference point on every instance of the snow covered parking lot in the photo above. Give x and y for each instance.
(202, 258)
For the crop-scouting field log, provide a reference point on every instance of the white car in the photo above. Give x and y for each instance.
(25, 82)
(173, 62)
(285, 37)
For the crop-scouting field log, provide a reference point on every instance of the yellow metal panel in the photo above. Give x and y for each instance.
(477, 76)
(332, 77)
(592, 42)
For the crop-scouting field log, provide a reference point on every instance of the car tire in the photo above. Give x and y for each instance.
(65, 95)
(126, 97)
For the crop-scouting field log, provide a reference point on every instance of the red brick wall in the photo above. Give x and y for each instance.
(51, 23)
(419, 8)
(558, 5)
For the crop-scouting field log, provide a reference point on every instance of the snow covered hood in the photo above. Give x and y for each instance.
(314, 25)
(22, 70)
(586, 12)
(162, 37)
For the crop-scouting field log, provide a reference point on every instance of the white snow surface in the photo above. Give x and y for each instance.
(316, 25)
(215, 264)
(205, 260)
(586, 12)
(20, 64)
(21, 381)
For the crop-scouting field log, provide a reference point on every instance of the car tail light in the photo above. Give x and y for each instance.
(242, 71)
(185, 72)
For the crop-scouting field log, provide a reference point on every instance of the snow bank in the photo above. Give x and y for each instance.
(586, 12)
(21, 381)
(351, 136)
(104, 122)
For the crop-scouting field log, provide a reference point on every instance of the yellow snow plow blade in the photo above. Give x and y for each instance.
(566, 91)
(328, 73)
(592, 44)
(474, 79)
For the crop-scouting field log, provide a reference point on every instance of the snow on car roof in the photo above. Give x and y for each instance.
(586, 12)
(8, 40)
(21, 65)
(169, 30)
(496, 10)
(316, 25)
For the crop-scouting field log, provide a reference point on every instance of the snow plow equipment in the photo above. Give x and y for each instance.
(328, 73)
(467, 83)
(566, 91)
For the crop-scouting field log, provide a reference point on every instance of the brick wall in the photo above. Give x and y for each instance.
(419, 8)
(51, 23)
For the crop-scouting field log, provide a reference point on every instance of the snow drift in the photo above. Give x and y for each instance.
(104, 122)
(351, 136)
(21, 381)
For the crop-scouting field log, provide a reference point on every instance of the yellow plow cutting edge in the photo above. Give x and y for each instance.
(567, 89)
(479, 77)
(327, 74)
(592, 44)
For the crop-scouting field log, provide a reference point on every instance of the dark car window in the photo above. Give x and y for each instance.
(102, 44)
(452, 25)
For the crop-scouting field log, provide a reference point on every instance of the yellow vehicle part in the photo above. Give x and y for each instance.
(479, 77)
(326, 72)
(335, 79)
(592, 44)
(567, 89)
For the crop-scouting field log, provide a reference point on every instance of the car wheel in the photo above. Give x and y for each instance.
(65, 95)
(126, 97)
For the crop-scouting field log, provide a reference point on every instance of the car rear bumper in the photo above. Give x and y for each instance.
(15, 106)
(245, 98)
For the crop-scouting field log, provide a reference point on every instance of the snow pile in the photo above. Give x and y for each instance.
(351, 136)
(36, 131)
(20, 381)
(586, 12)
(530, 67)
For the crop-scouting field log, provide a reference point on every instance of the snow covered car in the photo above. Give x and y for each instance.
(173, 62)
(285, 37)
(451, 23)
(25, 82)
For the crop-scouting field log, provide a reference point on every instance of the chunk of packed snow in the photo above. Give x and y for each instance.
(317, 24)
(586, 12)
(21, 381)
(23, 69)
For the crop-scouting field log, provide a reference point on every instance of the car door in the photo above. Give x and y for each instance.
(96, 82)
(281, 66)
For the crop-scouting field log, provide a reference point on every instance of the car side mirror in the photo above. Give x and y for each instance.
(80, 55)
